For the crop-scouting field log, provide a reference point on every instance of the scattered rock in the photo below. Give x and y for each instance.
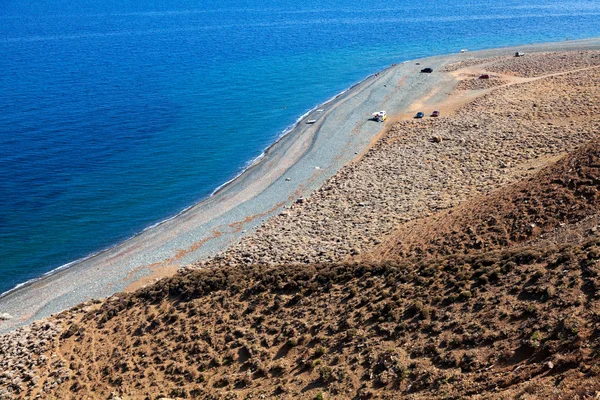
(5, 316)
(403, 178)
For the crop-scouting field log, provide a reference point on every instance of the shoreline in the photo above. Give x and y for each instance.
(291, 154)
(250, 164)
(22, 289)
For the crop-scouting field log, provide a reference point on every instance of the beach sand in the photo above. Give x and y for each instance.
(293, 168)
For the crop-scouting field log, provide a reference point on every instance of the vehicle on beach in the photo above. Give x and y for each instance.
(379, 116)
(420, 114)
(484, 76)
(427, 70)
(519, 54)
(435, 114)
(311, 121)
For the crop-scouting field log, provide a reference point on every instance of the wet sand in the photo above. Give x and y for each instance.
(293, 167)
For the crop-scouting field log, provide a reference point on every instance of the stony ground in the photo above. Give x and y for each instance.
(471, 62)
(513, 215)
(537, 64)
(22, 354)
(421, 167)
(472, 82)
(531, 64)
(510, 323)
(480, 84)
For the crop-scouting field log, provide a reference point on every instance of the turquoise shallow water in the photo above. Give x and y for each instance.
(115, 116)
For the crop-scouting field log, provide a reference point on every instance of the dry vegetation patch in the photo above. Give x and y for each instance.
(454, 326)
(564, 193)
(473, 82)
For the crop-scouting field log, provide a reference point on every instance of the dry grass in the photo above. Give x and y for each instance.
(449, 327)
(537, 64)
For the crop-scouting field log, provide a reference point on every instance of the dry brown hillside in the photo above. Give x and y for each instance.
(507, 323)
(563, 193)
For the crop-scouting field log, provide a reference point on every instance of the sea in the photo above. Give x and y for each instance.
(118, 114)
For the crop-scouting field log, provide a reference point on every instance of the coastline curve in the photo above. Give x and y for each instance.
(296, 164)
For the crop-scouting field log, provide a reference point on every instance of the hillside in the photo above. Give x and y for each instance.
(565, 193)
(506, 322)
(494, 322)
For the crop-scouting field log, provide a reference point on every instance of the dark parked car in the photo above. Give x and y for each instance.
(436, 113)
(427, 70)
(485, 76)
(420, 115)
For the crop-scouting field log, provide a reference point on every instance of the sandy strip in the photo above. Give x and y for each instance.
(293, 167)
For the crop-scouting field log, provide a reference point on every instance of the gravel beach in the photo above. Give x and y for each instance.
(421, 167)
(343, 188)
(307, 159)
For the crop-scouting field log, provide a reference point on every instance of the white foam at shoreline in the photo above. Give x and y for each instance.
(285, 132)
(249, 165)
(261, 156)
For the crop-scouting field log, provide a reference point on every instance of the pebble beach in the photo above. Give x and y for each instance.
(329, 190)
(334, 190)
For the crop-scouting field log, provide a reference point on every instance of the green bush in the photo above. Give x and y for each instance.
(326, 373)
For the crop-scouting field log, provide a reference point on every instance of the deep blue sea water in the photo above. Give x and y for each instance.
(117, 114)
